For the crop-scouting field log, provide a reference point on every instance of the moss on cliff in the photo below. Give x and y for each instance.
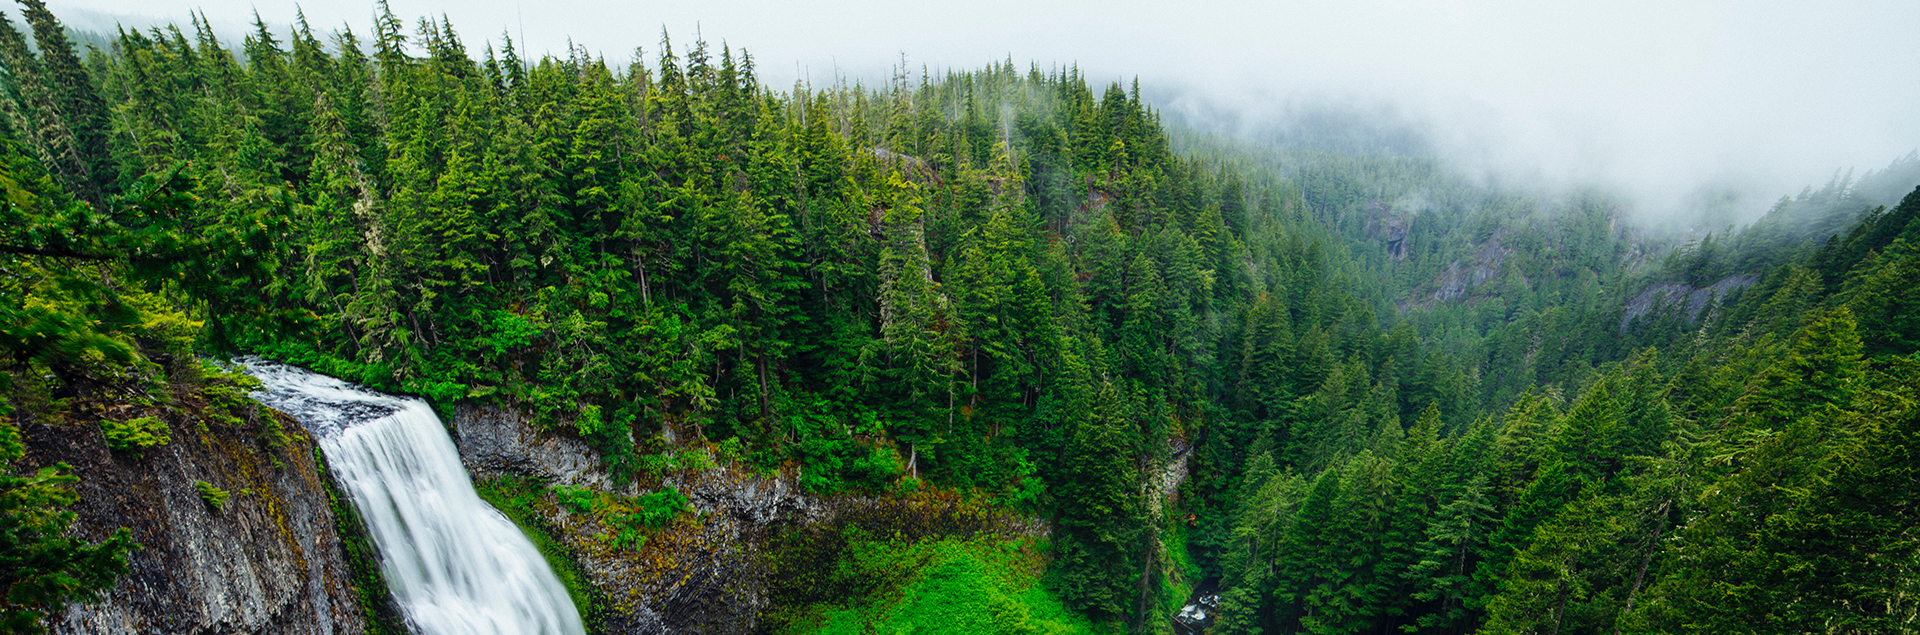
(231, 509)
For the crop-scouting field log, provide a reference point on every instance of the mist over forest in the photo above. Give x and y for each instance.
(1665, 106)
(1013, 319)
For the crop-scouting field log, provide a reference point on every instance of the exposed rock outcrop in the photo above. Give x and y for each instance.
(1165, 482)
(699, 575)
(497, 442)
(1687, 298)
(268, 561)
(1387, 227)
(1466, 280)
(704, 572)
(1461, 278)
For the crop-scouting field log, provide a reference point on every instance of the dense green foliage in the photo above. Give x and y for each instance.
(41, 568)
(972, 281)
(1715, 482)
(1411, 402)
(214, 496)
(630, 519)
(134, 435)
(951, 586)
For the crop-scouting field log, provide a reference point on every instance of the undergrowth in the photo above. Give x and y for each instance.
(1183, 574)
(984, 585)
(633, 519)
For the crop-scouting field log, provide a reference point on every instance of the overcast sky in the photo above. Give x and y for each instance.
(1655, 97)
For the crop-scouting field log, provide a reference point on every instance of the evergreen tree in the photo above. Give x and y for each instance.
(74, 97)
(41, 568)
(1100, 512)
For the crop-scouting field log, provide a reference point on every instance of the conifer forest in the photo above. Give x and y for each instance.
(1329, 391)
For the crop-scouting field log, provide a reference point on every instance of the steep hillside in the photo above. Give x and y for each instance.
(722, 346)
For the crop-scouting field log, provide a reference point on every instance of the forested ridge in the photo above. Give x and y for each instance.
(1405, 402)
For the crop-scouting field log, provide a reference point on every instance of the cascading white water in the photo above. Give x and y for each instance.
(456, 566)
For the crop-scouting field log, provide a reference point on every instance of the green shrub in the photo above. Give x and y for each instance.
(134, 435)
(659, 508)
(1030, 494)
(212, 495)
(508, 332)
(630, 538)
(691, 460)
(631, 522)
(729, 450)
(580, 499)
(226, 392)
(589, 421)
(653, 464)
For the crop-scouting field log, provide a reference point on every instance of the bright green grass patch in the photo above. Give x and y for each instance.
(1183, 573)
(980, 586)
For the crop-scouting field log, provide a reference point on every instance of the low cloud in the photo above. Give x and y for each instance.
(1659, 100)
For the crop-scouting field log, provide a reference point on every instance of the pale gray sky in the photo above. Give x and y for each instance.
(1653, 96)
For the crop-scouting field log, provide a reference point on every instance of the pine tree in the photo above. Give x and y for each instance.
(41, 568)
(918, 347)
(1549, 582)
(1761, 557)
(1880, 294)
(74, 97)
(33, 108)
(1100, 514)
(1821, 371)
(1456, 542)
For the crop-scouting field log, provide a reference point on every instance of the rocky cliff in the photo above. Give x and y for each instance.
(705, 572)
(265, 561)
(1687, 299)
(697, 575)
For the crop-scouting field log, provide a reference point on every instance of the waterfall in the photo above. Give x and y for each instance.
(456, 565)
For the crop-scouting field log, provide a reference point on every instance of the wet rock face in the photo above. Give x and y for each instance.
(269, 562)
(496, 442)
(1385, 226)
(1462, 279)
(699, 575)
(1691, 301)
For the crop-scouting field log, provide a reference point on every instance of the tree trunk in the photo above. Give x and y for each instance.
(1640, 577)
(761, 361)
(1560, 609)
(1146, 579)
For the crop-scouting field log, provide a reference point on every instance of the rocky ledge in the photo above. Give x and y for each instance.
(698, 575)
(704, 572)
(265, 561)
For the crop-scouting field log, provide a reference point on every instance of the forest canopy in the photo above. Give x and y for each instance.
(1403, 400)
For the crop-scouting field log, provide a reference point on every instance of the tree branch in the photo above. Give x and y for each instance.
(53, 253)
